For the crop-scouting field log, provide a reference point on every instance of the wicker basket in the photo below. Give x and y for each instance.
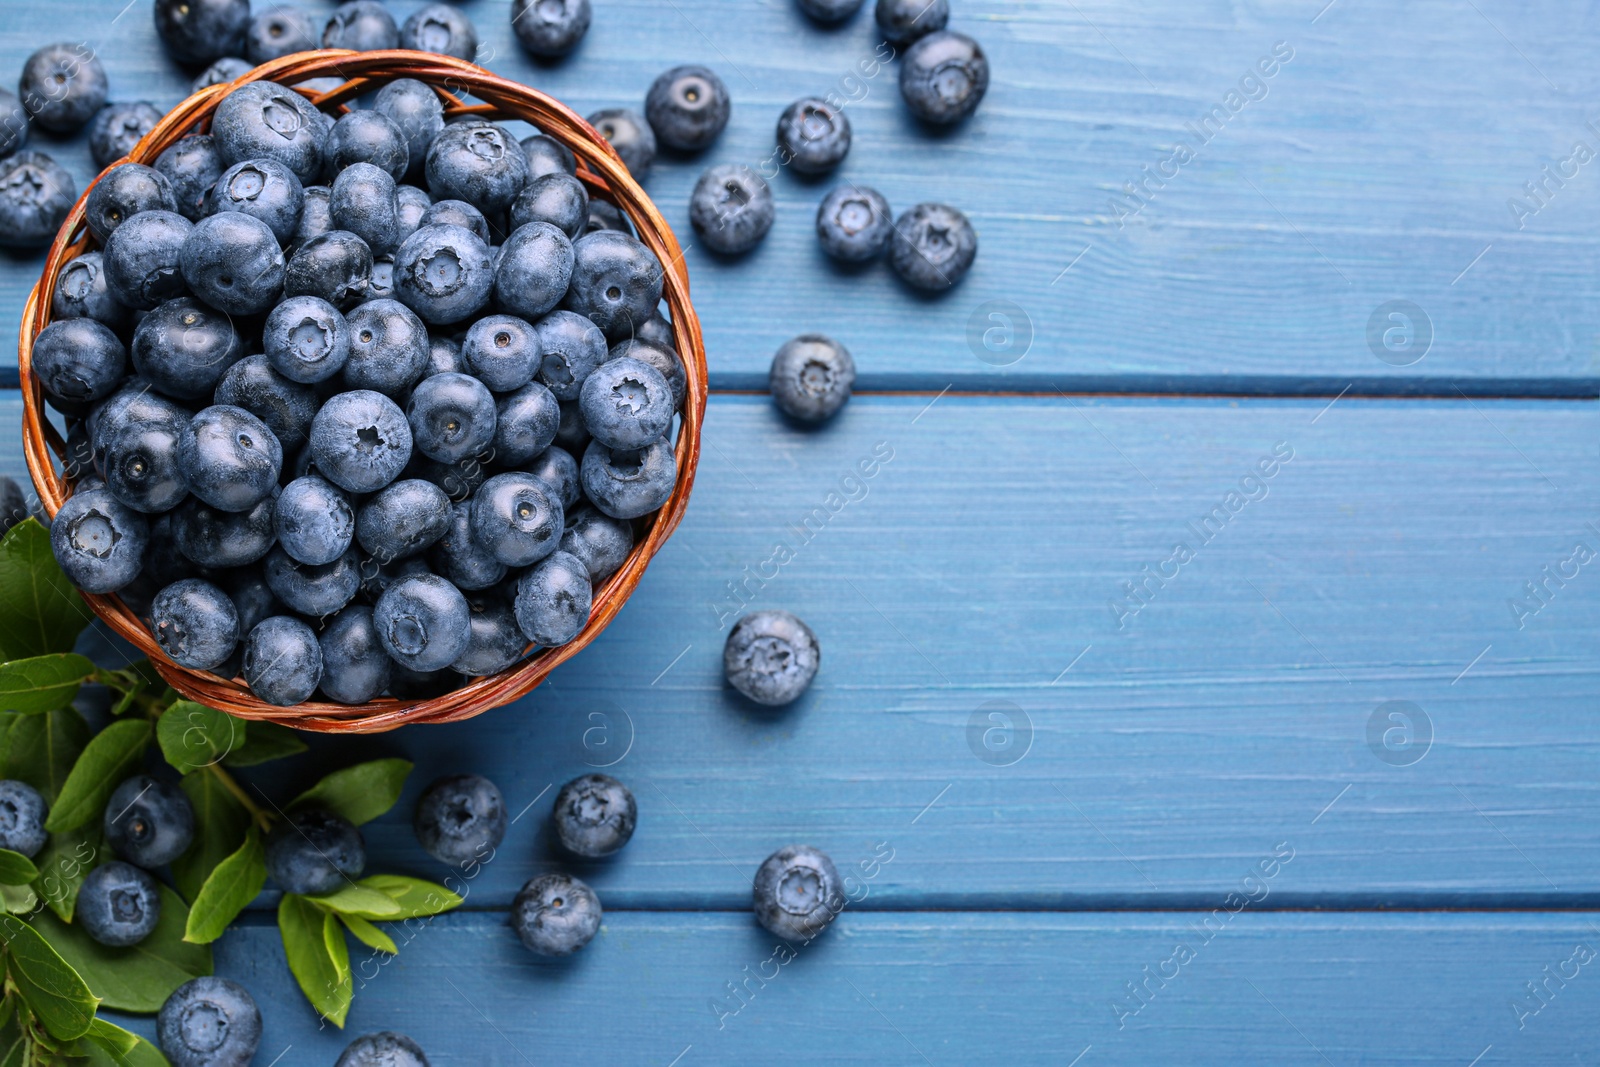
(602, 172)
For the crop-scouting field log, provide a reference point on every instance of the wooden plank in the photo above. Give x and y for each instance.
(1380, 165)
(936, 988)
(980, 564)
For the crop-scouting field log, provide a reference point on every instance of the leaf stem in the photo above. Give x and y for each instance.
(262, 817)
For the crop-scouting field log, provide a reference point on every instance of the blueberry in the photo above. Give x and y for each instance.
(452, 417)
(78, 463)
(279, 32)
(534, 268)
(616, 282)
(118, 904)
(376, 577)
(660, 356)
(460, 819)
(99, 541)
(933, 247)
(555, 915)
(415, 109)
(771, 657)
(525, 423)
(360, 440)
(200, 31)
(502, 351)
(388, 347)
(516, 519)
(13, 122)
(383, 1049)
(380, 285)
(626, 404)
(363, 202)
(22, 815)
(355, 668)
(442, 29)
(283, 666)
(402, 520)
(81, 293)
(185, 347)
(263, 189)
(314, 520)
(600, 542)
(550, 28)
(336, 266)
(316, 217)
(36, 193)
(458, 556)
(251, 597)
(135, 402)
(411, 204)
(286, 407)
(546, 155)
(604, 215)
(630, 135)
(444, 356)
(209, 1022)
(122, 193)
(558, 199)
(192, 165)
(572, 348)
(143, 258)
(221, 72)
(262, 119)
(424, 622)
(116, 128)
(943, 77)
(233, 262)
(62, 86)
(215, 538)
(313, 590)
(79, 359)
(687, 108)
(830, 10)
(315, 852)
(904, 21)
(457, 213)
(443, 273)
(306, 339)
(595, 815)
(570, 432)
(797, 893)
(141, 466)
(811, 377)
(362, 25)
(813, 135)
(854, 224)
(495, 642)
(149, 822)
(231, 459)
(553, 599)
(479, 163)
(628, 484)
(559, 472)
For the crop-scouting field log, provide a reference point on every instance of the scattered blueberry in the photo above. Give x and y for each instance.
(687, 107)
(943, 77)
(903, 21)
(22, 815)
(731, 208)
(630, 135)
(814, 135)
(36, 193)
(362, 25)
(797, 893)
(555, 915)
(116, 128)
(118, 904)
(443, 29)
(811, 377)
(282, 665)
(933, 247)
(315, 852)
(460, 819)
(854, 224)
(13, 122)
(595, 815)
(550, 28)
(278, 32)
(200, 31)
(209, 1022)
(830, 10)
(149, 822)
(771, 657)
(63, 86)
(383, 1049)
(553, 599)
(197, 626)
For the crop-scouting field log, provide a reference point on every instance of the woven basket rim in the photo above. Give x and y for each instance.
(603, 173)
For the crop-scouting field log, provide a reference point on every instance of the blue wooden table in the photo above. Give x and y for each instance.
(1214, 648)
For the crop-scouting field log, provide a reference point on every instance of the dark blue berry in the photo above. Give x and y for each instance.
(660, 356)
(452, 417)
(316, 218)
(363, 202)
(479, 163)
(79, 359)
(533, 271)
(630, 135)
(335, 266)
(616, 282)
(279, 32)
(313, 590)
(122, 193)
(231, 459)
(35, 195)
(797, 893)
(572, 348)
(558, 470)
(444, 273)
(516, 519)
(377, 577)
(604, 215)
(458, 556)
(771, 657)
(502, 351)
(251, 597)
(81, 293)
(13, 122)
(135, 402)
(117, 128)
(415, 109)
(657, 331)
(355, 668)
(193, 166)
(283, 666)
(456, 213)
(209, 1022)
(402, 520)
(221, 72)
(380, 285)
(553, 599)
(118, 904)
(904, 21)
(315, 852)
(933, 247)
(626, 404)
(411, 204)
(149, 822)
(444, 356)
(600, 542)
(199, 31)
(595, 815)
(525, 424)
(555, 915)
(383, 1049)
(570, 432)
(263, 189)
(460, 819)
(99, 541)
(442, 29)
(687, 107)
(63, 86)
(361, 25)
(943, 77)
(495, 642)
(185, 347)
(306, 339)
(286, 407)
(814, 136)
(423, 621)
(143, 258)
(360, 441)
(546, 155)
(263, 119)
(214, 538)
(141, 465)
(22, 815)
(629, 483)
(13, 508)
(811, 377)
(388, 347)
(233, 262)
(854, 224)
(558, 199)
(829, 11)
(314, 520)
(550, 28)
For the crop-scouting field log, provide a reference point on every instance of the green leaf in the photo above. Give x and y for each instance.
(41, 750)
(233, 884)
(416, 896)
(64, 862)
(193, 736)
(43, 683)
(265, 741)
(361, 901)
(120, 1047)
(368, 934)
(220, 822)
(140, 977)
(14, 1023)
(52, 988)
(318, 957)
(108, 758)
(43, 613)
(18, 899)
(360, 793)
(15, 868)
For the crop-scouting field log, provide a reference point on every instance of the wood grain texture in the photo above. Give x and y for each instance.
(1289, 989)
(1378, 166)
